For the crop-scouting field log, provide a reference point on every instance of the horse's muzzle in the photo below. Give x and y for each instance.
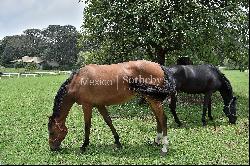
(55, 147)
(232, 119)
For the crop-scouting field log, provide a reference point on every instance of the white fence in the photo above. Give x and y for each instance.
(46, 73)
(10, 74)
(33, 74)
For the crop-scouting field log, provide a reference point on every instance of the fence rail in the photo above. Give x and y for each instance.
(10, 74)
(26, 75)
(34, 74)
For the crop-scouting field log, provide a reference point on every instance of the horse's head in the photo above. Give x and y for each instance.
(230, 110)
(57, 133)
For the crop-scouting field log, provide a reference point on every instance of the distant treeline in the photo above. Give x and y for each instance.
(55, 43)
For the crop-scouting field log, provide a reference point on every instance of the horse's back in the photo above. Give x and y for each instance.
(196, 78)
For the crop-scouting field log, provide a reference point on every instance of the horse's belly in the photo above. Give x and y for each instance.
(99, 96)
(198, 90)
(192, 91)
(112, 100)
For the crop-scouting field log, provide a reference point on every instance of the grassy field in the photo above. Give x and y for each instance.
(26, 103)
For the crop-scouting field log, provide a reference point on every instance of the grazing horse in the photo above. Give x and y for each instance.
(195, 79)
(102, 85)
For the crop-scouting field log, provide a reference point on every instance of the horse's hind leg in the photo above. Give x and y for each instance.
(157, 108)
(103, 111)
(207, 98)
(172, 107)
(209, 108)
(158, 137)
(87, 110)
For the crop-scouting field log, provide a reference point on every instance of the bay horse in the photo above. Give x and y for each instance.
(100, 86)
(195, 79)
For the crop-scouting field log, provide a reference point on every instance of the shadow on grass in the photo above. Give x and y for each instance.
(189, 110)
(192, 119)
(133, 151)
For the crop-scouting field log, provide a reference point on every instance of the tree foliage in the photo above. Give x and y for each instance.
(160, 30)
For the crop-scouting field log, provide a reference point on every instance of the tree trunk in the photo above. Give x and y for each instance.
(160, 58)
(160, 55)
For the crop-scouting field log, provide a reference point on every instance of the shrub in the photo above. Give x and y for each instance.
(19, 65)
(30, 66)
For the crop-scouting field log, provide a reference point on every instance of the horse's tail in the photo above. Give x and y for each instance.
(150, 90)
(155, 91)
(61, 93)
(225, 82)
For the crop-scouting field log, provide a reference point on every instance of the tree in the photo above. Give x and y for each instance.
(36, 44)
(163, 29)
(60, 44)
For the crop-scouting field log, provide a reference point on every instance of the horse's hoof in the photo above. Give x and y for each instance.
(55, 149)
(179, 124)
(204, 124)
(155, 144)
(117, 146)
(82, 149)
(163, 154)
(211, 118)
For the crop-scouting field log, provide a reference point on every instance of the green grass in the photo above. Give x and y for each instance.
(25, 104)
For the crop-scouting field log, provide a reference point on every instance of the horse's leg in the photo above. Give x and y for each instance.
(157, 108)
(103, 111)
(141, 101)
(205, 107)
(158, 137)
(209, 107)
(87, 110)
(172, 107)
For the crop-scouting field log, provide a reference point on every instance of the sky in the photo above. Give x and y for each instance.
(19, 15)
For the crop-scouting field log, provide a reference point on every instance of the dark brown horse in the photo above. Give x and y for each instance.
(102, 85)
(195, 79)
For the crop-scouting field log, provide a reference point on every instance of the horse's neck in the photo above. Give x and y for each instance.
(62, 117)
(227, 94)
(64, 111)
